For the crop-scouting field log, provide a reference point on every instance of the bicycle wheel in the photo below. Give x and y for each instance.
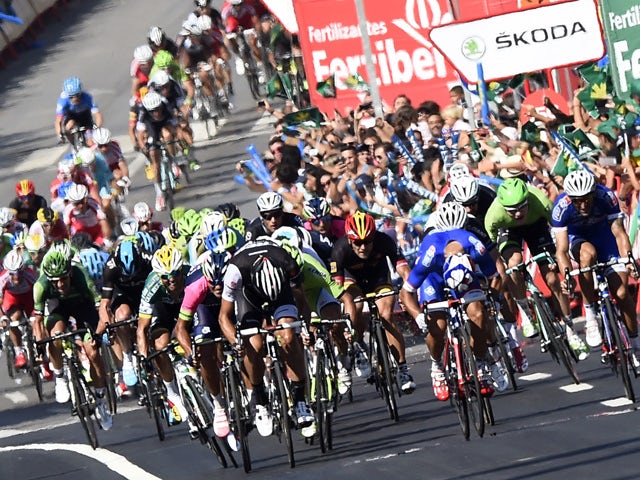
(156, 402)
(558, 345)
(502, 342)
(168, 180)
(622, 359)
(238, 416)
(322, 401)
(456, 393)
(284, 420)
(472, 389)
(34, 366)
(387, 379)
(11, 356)
(110, 377)
(83, 407)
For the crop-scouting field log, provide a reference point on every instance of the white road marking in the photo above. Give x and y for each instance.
(617, 402)
(16, 397)
(573, 388)
(534, 377)
(112, 461)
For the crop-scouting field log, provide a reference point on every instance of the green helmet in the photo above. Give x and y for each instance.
(63, 246)
(292, 250)
(55, 265)
(163, 59)
(238, 225)
(512, 192)
(189, 224)
(177, 213)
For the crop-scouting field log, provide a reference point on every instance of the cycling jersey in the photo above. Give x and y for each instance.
(58, 231)
(486, 196)
(102, 176)
(236, 16)
(112, 155)
(154, 292)
(318, 285)
(256, 228)
(85, 221)
(28, 215)
(176, 95)
(368, 273)
(20, 294)
(114, 282)
(64, 107)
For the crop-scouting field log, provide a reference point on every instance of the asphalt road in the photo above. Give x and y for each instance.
(549, 429)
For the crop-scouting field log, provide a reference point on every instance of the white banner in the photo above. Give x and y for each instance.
(283, 10)
(524, 41)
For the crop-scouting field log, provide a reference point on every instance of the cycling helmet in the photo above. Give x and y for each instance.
(142, 212)
(189, 224)
(94, 262)
(464, 189)
(458, 170)
(13, 261)
(143, 54)
(579, 183)
(25, 187)
(85, 156)
(450, 216)
(166, 261)
(129, 226)
(163, 59)
(152, 101)
(229, 210)
(81, 240)
(305, 237)
(77, 193)
(158, 239)
(55, 265)
(102, 136)
(317, 207)
(65, 166)
(290, 234)
(72, 86)
(238, 225)
(47, 215)
(293, 251)
(146, 242)
(360, 226)
(204, 23)
(235, 2)
(160, 78)
(62, 246)
(201, 3)
(6, 216)
(458, 272)
(174, 232)
(213, 221)
(156, 36)
(512, 192)
(35, 242)
(269, 201)
(267, 278)
(214, 265)
(192, 28)
(221, 240)
(127, 257)
(18, 238)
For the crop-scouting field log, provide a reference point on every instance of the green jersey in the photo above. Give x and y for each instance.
(79, 293)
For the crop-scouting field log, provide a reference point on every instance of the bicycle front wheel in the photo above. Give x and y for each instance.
(34, 366)
(11, 356)
(473, 393)
(110, 377)
(502, 341)
(622, 359)
(387, 380)
(283, 412)
(240, 420)
(323, 401)
(455, 383)
(156, 402)
(83, 407)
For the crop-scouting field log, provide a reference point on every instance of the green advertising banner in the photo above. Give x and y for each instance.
(621, 21)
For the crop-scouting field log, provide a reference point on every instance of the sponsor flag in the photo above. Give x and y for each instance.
(279, 86)
(327, 88)
(309, 117)
(568, 160)
(482, 92)
(476, 152)
(356, 82)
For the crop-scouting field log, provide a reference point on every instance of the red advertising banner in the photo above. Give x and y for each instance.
(405, 60)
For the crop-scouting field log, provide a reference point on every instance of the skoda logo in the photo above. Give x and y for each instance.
(473, 48)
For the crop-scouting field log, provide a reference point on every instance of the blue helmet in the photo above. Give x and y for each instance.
(214, 266)
(94, 262)
(128, 257)
(146, 242)
(72, 86)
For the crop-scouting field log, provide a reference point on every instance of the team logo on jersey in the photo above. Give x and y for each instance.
(333, 267)
(428, 256)
(478, 245)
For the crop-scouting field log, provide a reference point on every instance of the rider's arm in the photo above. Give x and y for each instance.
(622, 238)
(38, 309)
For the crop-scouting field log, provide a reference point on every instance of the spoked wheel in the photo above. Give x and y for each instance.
(34, 366)
(387, 380)
(623, 361)
(156, 403)
(323, 402)
(283, 413)
(456, 393)
(84, 409)
(238, 417)
(506, 355)
(472, 389)
(11, 358)
(110, 378)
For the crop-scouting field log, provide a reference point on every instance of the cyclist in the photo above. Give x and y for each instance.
(521, 213)
(49, 225)
(140, 70)
(239, 16)
(16, 298)
(202, 295)
(162, 295)
(446, 259)
(102, 178)
(588, 228)
(360, 262)
(144, 215)
(262, 281)
(36, 249)
(156, 124)
(272, 216)
(213, 39)
(83, 214)
(64, 288)
(158, 40)
(324, 228)
(108, 149)
(75, 108)
(27, 202)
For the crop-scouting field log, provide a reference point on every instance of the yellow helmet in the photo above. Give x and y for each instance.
(166, 261)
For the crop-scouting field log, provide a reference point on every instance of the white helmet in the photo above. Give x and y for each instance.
(166, 260)
(289, 234)
(235, 2)
(35, 242)
(129, 226)
(65, 166)
(464, 189)
(6, 216)
(458, 170)
(269, 201)
(152, 100)
(192, 28)
(62, 246)
(86, 156)
(13, 261)
(305, 237)
(579, 183)
(156, 35)
(142, 212)
(101, 136)
(212, 222)
(77, 192)
(450, 216)
(160, 78)
(267, 278)
(204, 22)
(143, 53)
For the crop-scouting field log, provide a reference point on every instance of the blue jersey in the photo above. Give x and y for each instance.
(65, 107)
(605, 210)
(431, 255)
(102, 174)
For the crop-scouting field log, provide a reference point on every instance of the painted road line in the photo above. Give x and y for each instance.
(534, 377)
(573, 388)
(16, 397)
(617, 402)
(113, 461)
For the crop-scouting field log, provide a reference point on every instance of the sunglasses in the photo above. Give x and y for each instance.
(74, 96)
(62, 278)
(584, 199)
(270, 215)
(360, 243)
(318, 220)
(170, 276)
(517, 208)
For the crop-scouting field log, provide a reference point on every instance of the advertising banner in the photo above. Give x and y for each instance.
(406, 61)
(529, 40)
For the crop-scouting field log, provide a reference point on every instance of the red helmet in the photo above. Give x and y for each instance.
(25, 187)
(360, 226)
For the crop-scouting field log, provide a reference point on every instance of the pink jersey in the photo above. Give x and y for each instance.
(194, 295)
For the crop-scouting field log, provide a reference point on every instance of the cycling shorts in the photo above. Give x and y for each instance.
(17, 301)
(205, 323)
(537, 236)
(604, 243)
(85, 314)
(164, 317)
(248, 315)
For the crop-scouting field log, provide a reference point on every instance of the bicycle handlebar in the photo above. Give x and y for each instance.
(62, 336)
(369, 297)
(602, 265)
(453, 301)
(535, 259)
(121, 323)
(247, 332)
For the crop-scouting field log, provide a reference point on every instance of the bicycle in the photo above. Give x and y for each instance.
(111, 363)
(250, 65)
(460, 367)
(293, 81)
(204, 105)
(616, 346)
(168, 180)
(553, 337)
(384, 366)
(500, 351)
(277, 384)
(83, 395)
